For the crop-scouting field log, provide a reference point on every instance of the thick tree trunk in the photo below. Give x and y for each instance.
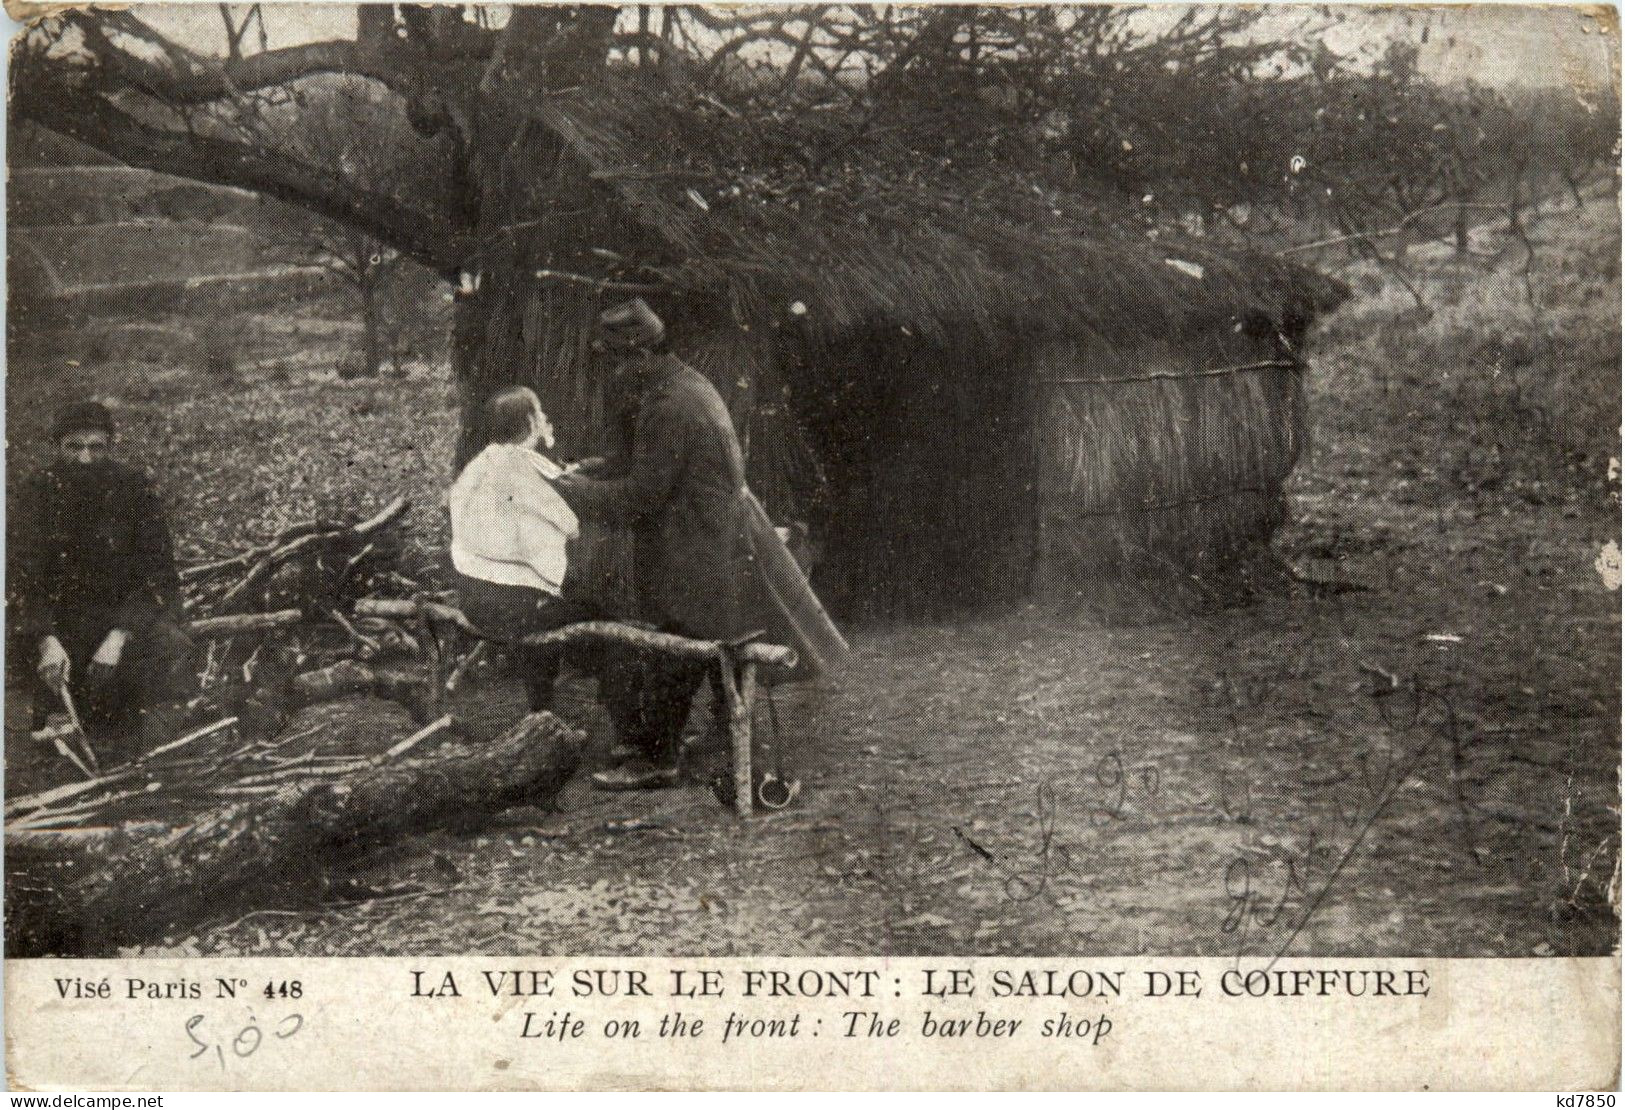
(90, 894)
(467, 372)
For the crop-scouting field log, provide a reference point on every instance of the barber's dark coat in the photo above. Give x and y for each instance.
(706, 559)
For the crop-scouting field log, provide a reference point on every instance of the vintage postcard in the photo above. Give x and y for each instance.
(812, 546)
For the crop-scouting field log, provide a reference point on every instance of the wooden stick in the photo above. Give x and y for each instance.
(354, 560)
(432, 655)
(681, 647)
(84, 809)
(243, 622)
(53, 839)
(455, 679)
(356, 634)
(79, 729)
(90, 753)
(306, 769)
(743, 751)
(283, 741)
(67, 753)
(417, 738)
(244, 558)
(384, 516)
(206, 730)
(58, 793)
(73, 710)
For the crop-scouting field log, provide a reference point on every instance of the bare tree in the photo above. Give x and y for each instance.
(351, 124)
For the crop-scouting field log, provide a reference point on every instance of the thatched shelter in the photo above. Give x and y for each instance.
(974, 383)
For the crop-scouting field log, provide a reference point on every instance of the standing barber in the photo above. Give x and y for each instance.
(706, 561)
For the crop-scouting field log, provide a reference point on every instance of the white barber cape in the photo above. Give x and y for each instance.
(508, 524)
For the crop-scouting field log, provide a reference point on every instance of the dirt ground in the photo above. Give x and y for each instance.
(1256, 779)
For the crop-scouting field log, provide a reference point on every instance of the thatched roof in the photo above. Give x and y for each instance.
(874, 232)
(926, 332)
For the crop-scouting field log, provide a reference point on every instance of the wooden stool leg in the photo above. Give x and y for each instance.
(739, 735)
(432, 656)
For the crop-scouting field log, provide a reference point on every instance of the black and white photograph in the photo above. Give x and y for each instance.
(813, 481)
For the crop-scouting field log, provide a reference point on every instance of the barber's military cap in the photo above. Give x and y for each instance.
(82, 416)
(630, 326)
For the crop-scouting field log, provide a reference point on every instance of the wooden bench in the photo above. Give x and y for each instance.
(737, 664)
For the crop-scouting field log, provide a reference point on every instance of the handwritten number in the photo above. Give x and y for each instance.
(246, 1042)
(1109, 774)
(1238, 884)
(192, 1023)
(1292, 883)
(1150, 780)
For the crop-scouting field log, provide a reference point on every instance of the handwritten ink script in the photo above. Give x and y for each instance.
(241, 1041)
(1420, 733)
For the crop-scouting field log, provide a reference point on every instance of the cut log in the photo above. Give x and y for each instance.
(88, 895)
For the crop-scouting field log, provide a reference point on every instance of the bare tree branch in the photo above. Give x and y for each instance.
(425, 236)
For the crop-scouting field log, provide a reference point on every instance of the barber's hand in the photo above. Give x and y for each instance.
(53, 663)
(107, 657)
(586, 467)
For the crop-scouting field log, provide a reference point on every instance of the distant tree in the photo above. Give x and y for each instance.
(352, 125)
(1570, 135)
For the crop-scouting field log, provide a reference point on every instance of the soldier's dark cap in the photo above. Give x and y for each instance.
(630, 326)
(82, 416)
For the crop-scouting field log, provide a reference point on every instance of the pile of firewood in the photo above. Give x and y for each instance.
(275, 625)
(208, 767)
(316, 566)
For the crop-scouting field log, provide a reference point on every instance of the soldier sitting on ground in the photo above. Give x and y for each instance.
(96, 589)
